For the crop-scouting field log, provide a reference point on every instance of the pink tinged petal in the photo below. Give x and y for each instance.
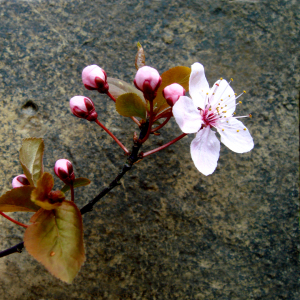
(20, 180)
(223, 94)
(172, 93)
(95, 78)
(235, 136)
(187, 115)
(64, 171)
(147, 80)
(205, 151)
(198, 85)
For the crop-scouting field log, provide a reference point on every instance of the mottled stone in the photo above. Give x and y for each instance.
(167, 232)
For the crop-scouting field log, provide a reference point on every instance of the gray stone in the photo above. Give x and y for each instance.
(167, 232)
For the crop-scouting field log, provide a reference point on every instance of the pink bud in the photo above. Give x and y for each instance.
(94, 78)
(83, 107)
(147, 80)
(172, 93)
(20, 180)
(64, 171)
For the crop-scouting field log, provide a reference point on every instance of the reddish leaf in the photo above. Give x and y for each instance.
(140, 57)
(55, 239)
(31, 158)
(180, 75)
(18, 199)
(41, 194)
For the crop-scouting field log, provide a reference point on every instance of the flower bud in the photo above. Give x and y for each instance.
(64, 171)
(94, 78)
(20, 180)
(172, 93)
(147, 80)
(83, 107)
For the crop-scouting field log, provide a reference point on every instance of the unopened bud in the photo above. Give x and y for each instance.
(147, 80)
(94, 78)
(172, 93)
(20, 180)
(64, 171)
(83, 107)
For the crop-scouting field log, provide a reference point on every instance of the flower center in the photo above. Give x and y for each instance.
(209, 118)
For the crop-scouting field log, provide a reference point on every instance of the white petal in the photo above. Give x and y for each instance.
(224, 95)
(235, 136)
(187, 115)
(198, 85)
(205, 151)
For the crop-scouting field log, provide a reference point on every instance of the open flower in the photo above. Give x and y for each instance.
(208, 109)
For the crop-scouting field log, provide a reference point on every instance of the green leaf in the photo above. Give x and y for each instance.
(55, 239)
(180, 75)
(31, 158)
(81, 181)
(118, 87)
(18, 199)
(131, 105)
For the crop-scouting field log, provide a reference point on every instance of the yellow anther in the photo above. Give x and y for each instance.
(213, 93)
(244, 92)
(209, 109)
(227, 122)
(224, 116)
(235, 94)
(240, 102)
(237, 131)
(225, 105)
(229, 96)
(221, 99)
(221, 78)
(245, 129)
(234, 113)
(206, 93)
(231, 79)
(222, 129)
(221, 107)
(250, 116)
(224, 111)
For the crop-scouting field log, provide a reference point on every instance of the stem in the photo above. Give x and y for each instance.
(163, 146)
(89, 207)
(162, 124)
(136, 121)
(12, 220)
(111, 96)
(113, 136)
(143, 140)
(72, 192)
(163, 114)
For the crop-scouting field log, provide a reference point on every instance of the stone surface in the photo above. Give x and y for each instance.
(167, 232)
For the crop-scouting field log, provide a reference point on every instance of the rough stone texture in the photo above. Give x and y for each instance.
(167, 232)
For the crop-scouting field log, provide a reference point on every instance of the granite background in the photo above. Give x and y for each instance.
(167, 232)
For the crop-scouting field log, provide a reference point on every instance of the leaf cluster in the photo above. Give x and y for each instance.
(55, 235)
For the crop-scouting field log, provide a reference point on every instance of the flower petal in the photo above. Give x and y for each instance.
(222, 93)
(187, 115)
(198, 85)
(235, 135)
(205, 151)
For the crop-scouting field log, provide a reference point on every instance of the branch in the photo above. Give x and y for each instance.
(134, 157)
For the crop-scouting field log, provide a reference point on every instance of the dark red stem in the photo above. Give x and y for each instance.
(164, 146)
(12, 220)
(113, 136)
